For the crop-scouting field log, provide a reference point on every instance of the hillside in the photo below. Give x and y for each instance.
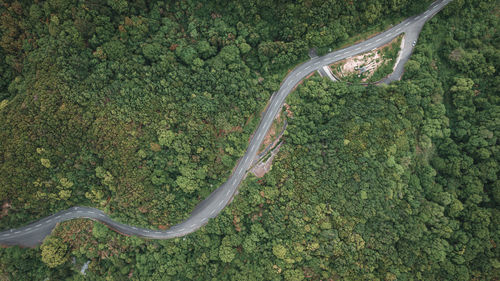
(142, 110)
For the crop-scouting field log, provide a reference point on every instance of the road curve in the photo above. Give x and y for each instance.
(33, 234)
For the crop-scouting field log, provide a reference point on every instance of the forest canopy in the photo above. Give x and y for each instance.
(143, 108)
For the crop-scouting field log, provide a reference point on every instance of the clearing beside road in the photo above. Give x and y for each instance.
(370, 66)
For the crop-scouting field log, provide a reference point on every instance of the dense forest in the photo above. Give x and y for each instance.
(142, 109)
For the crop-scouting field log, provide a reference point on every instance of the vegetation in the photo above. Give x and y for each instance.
(142, 109)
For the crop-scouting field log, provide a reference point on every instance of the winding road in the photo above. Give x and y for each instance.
(33, 234)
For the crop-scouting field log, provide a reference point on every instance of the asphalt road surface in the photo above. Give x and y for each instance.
(34, 233)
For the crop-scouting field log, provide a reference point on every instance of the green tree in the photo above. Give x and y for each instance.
(54, 251)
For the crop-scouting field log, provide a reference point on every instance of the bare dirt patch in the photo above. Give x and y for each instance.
(5, 209)
(271, 144)
(268, 139)
(262, 168)
(363, 66)
(367, 62)
(289, 113)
